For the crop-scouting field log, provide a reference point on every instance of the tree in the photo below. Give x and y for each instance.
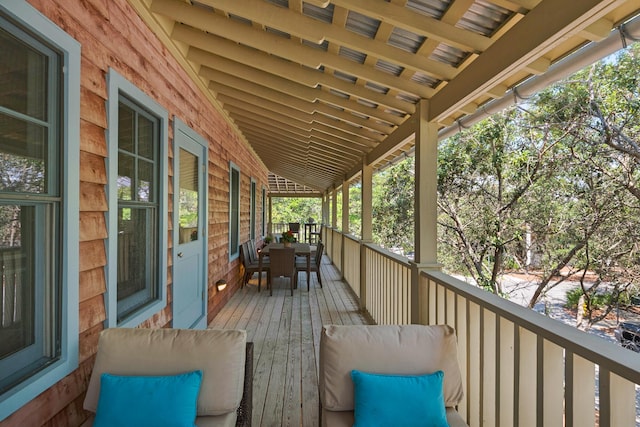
(295, 209)
(393, 206)
(484, 174)
(562, 168)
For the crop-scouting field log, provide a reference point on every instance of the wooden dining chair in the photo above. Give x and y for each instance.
(294, 227)
(301, 264)
(282, 263)
(250, 267)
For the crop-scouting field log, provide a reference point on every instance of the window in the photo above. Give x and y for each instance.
(252, 218)
(39, 160)
(137, 245)
(234, 211)
(264, 211)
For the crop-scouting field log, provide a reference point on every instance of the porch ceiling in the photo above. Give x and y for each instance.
(317, 87)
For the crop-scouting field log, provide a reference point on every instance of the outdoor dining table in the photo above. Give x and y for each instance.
(301, 249)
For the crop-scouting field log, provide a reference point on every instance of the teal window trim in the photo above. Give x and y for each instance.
(69, 49)
(252, 210)
(118, 85)
(234, 234)
(264, 212)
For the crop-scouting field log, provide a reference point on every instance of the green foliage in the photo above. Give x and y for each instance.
(598, 300)
(393, 206)
(296, 209)
(550, 184)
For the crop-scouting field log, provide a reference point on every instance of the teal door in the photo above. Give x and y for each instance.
(189, 228)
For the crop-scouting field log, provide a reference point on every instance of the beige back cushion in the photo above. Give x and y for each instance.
(385, 349)
(219, 354)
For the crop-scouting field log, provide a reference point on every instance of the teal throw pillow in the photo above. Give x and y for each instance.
(153, 401)
(398, 400)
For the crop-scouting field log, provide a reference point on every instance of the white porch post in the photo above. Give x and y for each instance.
(345, 207)
(345, 222)
(334, 209)
(425, 211)
(367, 228)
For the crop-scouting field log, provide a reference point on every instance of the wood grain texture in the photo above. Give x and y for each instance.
(112, 36)
(285, 332)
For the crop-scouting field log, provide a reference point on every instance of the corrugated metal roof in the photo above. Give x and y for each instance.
(388, 67)
(387, 74)
(321, 14)
(361, 24)
(406, 40)
(376, 88)
(484, 18)
(432, 8)
(344, 76)
(352, 54)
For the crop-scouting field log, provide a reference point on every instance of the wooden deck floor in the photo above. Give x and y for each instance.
(285, 331)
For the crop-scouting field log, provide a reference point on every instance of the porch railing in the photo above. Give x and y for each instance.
(519, 367)
(351, 263)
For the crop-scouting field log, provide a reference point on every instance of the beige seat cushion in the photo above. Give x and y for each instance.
(345, 418)
(224, 420)
(219, 354)
(385, 349)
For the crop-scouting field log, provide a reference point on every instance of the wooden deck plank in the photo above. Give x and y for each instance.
(309, 366)
(293, 396)
(266, 347)
(273, 413)
(286, 332)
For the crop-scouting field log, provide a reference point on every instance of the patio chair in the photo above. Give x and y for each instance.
(316, 260)
(282, 263)
(250, 267)
(253, 251)
(316, 236)
(295, 229)
(139, 356)
(398, 367)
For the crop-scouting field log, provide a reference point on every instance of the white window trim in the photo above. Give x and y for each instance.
(30, 18)
(116, 85)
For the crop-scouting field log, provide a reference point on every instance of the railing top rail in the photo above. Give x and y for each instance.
(351, 237)
(388, 254)
(615, 359)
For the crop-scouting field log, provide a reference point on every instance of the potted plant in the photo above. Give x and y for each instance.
(288, 237)
(268, 239)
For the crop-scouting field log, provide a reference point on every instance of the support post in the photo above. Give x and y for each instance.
(425, 210)
(367, 228)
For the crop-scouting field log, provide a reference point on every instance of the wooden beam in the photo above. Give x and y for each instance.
(291, 51)
(401, 17)
(311, 29)
(303, 75)
(546, 26)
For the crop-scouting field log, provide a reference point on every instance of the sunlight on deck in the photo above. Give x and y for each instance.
(285, 331)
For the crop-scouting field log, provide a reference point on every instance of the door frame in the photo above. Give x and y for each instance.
(203, 189)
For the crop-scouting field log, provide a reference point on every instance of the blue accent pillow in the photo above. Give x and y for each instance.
(153, 401)
(398, 400)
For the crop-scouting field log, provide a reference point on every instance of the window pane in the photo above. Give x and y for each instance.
(145, 137)
(136, 258)
(188, 203)
(23, 156)
(23, 78)
(16, 281)
(125, 177)
(145, 181)
(126, 127)
(235, 212)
